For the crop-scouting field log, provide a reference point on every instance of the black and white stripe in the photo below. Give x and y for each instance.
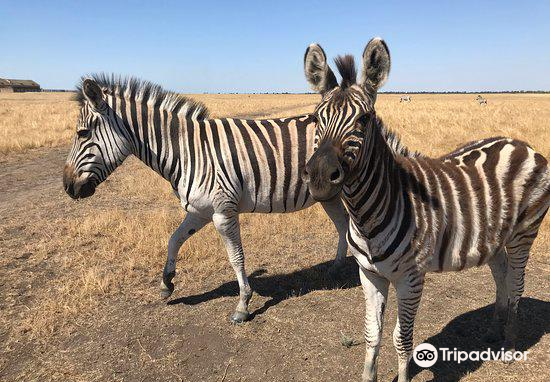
(411, 214)
(219, 168)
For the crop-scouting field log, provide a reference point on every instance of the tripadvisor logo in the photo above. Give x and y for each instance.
(426, 355)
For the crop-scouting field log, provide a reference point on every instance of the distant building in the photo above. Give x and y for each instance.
(17, 86)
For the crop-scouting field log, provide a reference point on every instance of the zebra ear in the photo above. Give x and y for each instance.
(376, 65)
(318, 73)
(93, 93)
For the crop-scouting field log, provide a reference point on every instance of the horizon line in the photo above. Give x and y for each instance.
(46, 90)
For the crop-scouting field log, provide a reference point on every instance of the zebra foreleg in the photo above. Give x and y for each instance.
(498, 266)
(375, 289)
(229, 229)
(408, 292)
(337, 213)
(190, 225)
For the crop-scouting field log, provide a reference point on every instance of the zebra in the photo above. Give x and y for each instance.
(481, 100)
(405, 98)
(411, 214)
(218, 168)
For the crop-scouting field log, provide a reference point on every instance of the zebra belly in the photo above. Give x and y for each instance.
(276, 202)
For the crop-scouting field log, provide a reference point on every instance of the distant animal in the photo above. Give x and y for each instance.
(405, 98)
(481, 100)
(411, 214)
(218, 168)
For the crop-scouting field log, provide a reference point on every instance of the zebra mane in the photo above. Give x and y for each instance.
(145, 91)
(394, 142)
(346, 68)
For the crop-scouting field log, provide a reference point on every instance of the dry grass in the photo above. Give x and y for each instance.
(48, 119)
(32, 120)
(435, 124)
(64, 260)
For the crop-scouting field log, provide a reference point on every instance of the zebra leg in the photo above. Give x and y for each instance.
(229, 229)
(518, 253)
(190, 225)
(337, 213)
(375, 289)
(498, 265)
(408, 293)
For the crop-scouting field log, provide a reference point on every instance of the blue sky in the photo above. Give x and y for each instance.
(256, 46)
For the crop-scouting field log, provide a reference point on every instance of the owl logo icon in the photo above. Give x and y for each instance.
(425, 355)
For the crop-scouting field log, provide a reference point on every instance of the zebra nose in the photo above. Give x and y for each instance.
(68, 181)
(69, 187)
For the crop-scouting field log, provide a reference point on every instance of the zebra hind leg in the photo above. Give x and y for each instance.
(190, 225)
(229, 229)
(337, 213)
(518, 254)
(517, 249)
(498, 265)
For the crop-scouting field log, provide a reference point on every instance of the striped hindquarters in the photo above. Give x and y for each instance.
(469, 204)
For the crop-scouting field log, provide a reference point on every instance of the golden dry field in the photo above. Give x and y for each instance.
(79, 298)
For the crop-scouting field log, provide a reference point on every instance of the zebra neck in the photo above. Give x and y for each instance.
(375, 196)
(155, 136)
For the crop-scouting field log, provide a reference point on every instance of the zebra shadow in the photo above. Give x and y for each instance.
(280, 287)
(465, 333)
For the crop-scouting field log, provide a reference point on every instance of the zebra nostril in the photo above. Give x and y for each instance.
(335, 175)
(305, 175)
(69, 189)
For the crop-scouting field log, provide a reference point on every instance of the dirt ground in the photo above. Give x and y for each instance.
(79, 298)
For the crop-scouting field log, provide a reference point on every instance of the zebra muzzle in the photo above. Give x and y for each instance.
(324, 173)
(77, 188)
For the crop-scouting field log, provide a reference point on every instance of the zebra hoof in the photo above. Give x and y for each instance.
(239, 317)
(165, 293)
(511, 360)
(166, 290)
(167, 286)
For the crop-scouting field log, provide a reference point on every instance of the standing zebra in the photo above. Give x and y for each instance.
(405, 98)
(411, 214)
(218, 168)
(481, 100)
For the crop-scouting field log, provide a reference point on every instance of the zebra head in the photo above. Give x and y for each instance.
(344, 114)
(99, 145)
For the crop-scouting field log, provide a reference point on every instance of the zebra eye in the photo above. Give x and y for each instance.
(84, 133)
(364, 119)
